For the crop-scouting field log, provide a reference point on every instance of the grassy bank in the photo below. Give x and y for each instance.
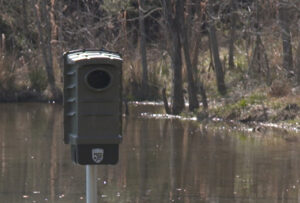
(275, 105)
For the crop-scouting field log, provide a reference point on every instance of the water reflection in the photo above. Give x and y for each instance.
(161, 160)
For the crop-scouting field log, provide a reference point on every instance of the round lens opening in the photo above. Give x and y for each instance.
(98, 79)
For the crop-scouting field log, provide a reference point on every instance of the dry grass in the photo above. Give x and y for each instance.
(13, 73)
(280, 88)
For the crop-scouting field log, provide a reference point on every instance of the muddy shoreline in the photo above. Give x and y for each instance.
(26, 96)
(256, 116)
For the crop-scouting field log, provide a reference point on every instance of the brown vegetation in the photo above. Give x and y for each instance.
(199, 50)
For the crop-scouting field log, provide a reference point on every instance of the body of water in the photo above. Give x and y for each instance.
(161, 160)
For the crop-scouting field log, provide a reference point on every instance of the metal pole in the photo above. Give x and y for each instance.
(91, 184)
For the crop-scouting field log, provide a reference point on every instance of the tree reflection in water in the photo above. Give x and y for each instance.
(161, 160)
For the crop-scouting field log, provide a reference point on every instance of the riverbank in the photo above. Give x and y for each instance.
(22, 96)
(261, 107)
(27, 96)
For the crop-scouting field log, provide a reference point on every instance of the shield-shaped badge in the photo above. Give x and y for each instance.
(97, 155)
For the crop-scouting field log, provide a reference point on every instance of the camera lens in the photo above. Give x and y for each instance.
(98, 79)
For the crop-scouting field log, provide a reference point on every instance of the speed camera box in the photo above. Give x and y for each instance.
(92, 97)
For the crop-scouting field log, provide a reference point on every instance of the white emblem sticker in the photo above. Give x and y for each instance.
(97, 155)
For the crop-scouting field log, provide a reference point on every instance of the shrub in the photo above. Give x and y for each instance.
(279, 88)
(38, 79)
(242, 103)
(256, 98)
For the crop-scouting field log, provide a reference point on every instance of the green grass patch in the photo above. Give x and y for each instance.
(257, 98)
(38, 79)
(233, 110)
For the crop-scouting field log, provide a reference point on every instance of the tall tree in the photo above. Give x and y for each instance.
(44, 28)
(196, 41)
(233, 17)
(215, 50)
(259, 64)
(298, 63)
(192, 90)
(25, 16)
(171, 17)
(285, 36)
(143, 49)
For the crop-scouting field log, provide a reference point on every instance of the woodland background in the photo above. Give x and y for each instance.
(194, 51)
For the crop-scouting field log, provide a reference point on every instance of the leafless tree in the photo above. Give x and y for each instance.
(44, 27)
(143, 49)
(192, 90)
(233, 18)
(259, 64)
(213, 40)
(297, 65)
(284, 18)
(171, 17)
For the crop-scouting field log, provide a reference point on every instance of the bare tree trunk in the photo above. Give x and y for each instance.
(143, 50)
(259, 64)
(233, 17)
(298, 63)
(177, 94)
(42, 16)
(286, 37)
(2, 45)
(25, 16)
(215, 53)
(165, 100)
(216, 59)
(60, 18)
(203, 95)
(198, 81)
(196, 52)
(192, 90)
(175, 53)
